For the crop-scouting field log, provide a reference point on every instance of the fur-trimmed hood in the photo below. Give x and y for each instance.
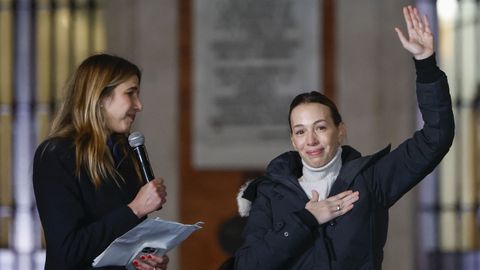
(246, 195)
(281, 167)
(243, 204)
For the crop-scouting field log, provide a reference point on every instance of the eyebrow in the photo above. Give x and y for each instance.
(314, 123)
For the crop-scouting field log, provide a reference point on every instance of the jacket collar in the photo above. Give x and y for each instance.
(289, 165)
(352, 165)
(287, 168)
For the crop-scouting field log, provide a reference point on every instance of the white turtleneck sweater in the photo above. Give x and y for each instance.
(321, 179)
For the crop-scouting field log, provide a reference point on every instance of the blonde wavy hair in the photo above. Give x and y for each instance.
(81, 117)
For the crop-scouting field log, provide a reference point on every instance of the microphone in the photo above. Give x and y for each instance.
(137, 141)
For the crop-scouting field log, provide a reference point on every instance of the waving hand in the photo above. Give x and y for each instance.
(420, 38)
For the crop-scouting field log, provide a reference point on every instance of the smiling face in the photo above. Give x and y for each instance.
(314, 134)
(121, 106)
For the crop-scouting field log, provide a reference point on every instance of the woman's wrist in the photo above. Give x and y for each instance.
(135, 210)
(423, 55)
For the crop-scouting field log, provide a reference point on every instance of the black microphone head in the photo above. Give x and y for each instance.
(136, 139)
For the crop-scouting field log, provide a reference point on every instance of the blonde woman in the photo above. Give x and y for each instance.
(87, 186)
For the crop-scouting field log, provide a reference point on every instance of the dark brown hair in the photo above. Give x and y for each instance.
(315, 97)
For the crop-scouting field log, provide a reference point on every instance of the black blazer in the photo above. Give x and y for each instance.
(79, 221)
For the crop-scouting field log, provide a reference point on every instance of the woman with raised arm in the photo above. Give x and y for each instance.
(324, 206)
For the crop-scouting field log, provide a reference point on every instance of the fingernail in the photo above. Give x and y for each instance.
(135, 262)
(142, 257)
(149, 256)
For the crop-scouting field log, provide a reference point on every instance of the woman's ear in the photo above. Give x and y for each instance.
(293, 143)
(101, 102)
(342, 133)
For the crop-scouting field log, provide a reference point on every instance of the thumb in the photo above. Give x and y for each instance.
(315, 196)
(401, 37)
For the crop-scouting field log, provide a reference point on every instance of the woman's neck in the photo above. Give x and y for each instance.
(321, 179)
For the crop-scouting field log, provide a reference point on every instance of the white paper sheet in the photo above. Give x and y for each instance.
(155, 233)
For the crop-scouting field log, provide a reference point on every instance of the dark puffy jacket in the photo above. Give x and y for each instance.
(281, 234)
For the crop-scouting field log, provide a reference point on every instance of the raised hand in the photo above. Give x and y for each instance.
(420, 38)
(332, 207)
(149, 198)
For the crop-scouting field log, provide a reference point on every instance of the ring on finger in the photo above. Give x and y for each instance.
(338, 207)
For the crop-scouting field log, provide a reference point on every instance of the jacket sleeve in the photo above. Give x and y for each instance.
(408, 164)
(269, 243)
(69, 237)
